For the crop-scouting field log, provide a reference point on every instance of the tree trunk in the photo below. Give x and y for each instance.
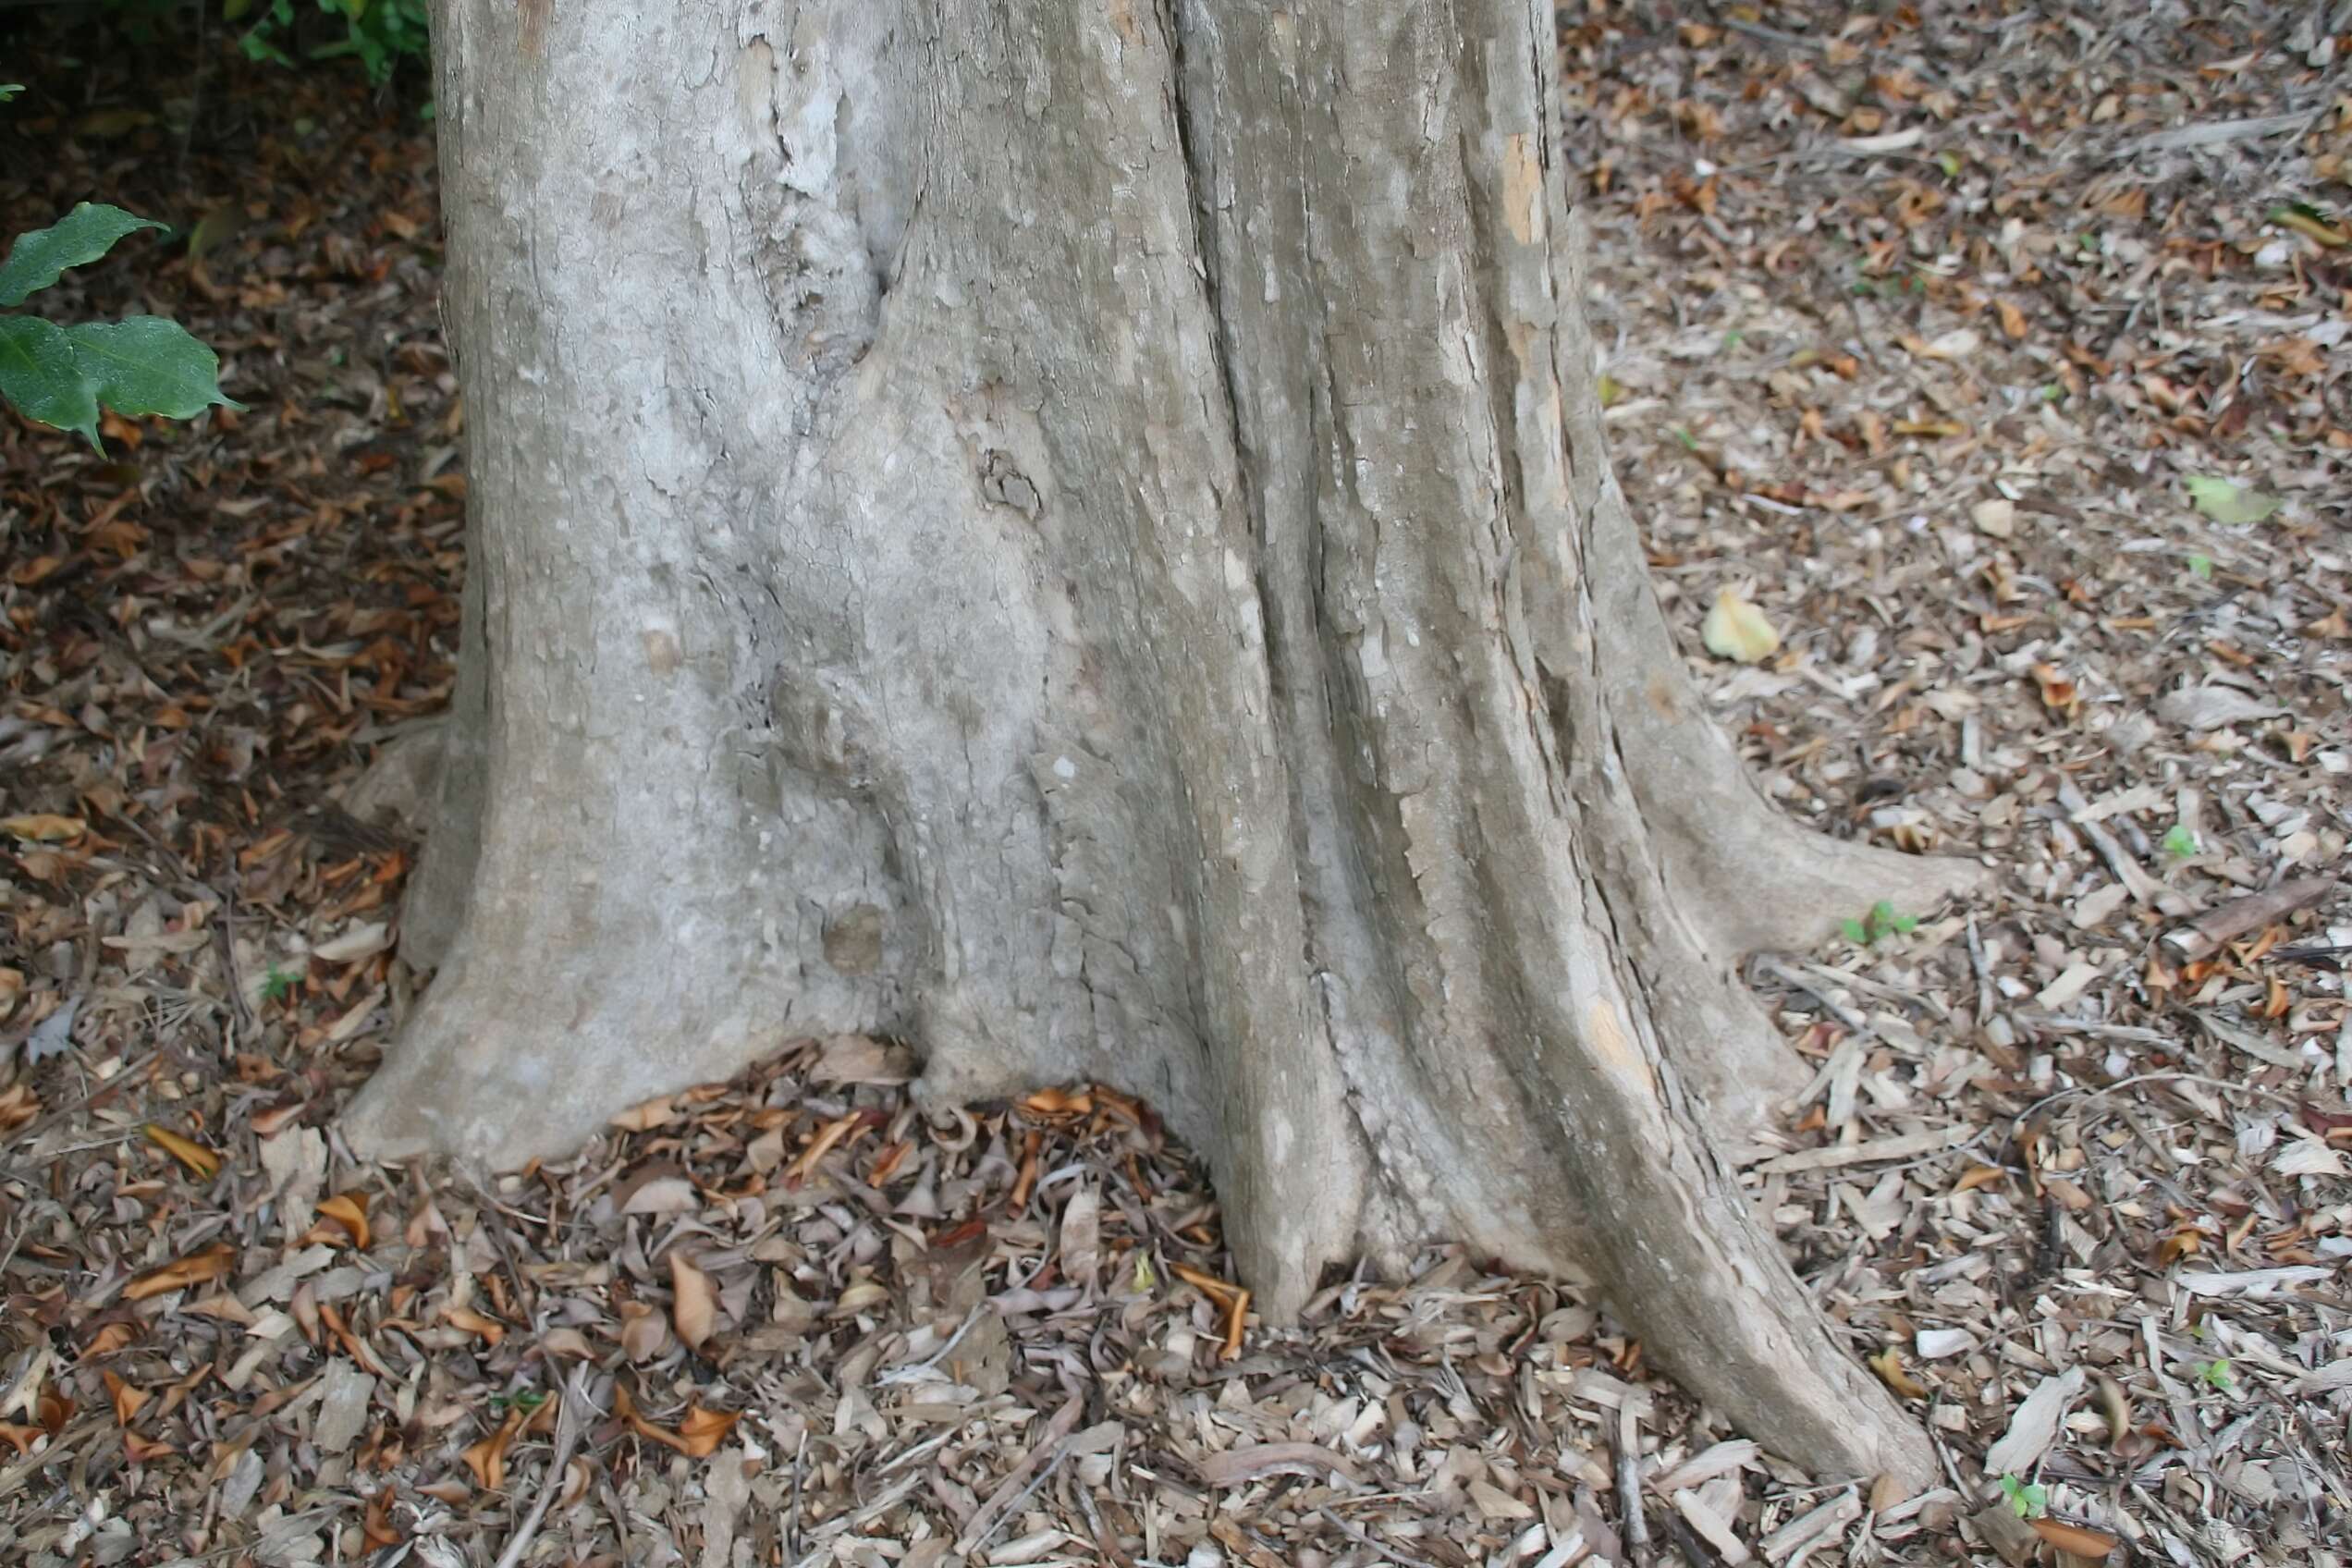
(1078, 536)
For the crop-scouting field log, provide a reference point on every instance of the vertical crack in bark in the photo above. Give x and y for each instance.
(1281, 398)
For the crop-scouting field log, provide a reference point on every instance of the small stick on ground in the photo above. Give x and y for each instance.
(568, 1401)
(1629, 1486)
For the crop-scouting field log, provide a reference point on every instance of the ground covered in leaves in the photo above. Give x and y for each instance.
(1988, 367)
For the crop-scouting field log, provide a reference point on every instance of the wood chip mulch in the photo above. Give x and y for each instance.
(1994, 354)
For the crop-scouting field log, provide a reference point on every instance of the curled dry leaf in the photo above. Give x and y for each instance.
(487, 1459)
(127, 1400)
(645, 1117)
(472, 1322)
(197, 1268)
(342, 1219)
(377, 1525)
(1888, 1364)
(643, 1331)
(2058, 692)
(569, 1343)
(695, 1305)
(2114, 1407)
(698, 1435)
(831, 1133)
(18, 1106)
(201, 1161)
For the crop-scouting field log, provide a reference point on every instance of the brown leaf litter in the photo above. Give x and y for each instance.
(1921, 324)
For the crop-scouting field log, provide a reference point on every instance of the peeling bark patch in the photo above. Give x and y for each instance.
(853, 941)
(535, 15)
(1523, 192)
(663, 655)
(1660, 693)
(1614, 1044)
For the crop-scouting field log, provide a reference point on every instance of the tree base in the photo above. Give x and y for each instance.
(871, 629)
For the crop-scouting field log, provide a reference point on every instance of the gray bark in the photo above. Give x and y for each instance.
(1078, 536)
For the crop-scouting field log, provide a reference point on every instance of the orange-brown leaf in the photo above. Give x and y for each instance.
(213, 1263)
(695, 1309)
(473, 1322)
(702, 1432)
(822, 1144)
(342, 1218)
(2075, 1538)
(698, 1436)
(487, 1459)
(377, 1522)
(200, 1161)
(110, 1337)
(140, 1451)
(127, 1398)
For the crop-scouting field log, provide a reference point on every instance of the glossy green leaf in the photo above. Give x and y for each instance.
(83, 234)
(41, 376)
(147, 366)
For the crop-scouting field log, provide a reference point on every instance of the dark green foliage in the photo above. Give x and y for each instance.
(62, 375)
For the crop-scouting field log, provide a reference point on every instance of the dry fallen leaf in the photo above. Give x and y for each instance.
(698, 1435)
(213, 1263)
(342, 1219)
(18, 1106)
(200, 1161)
(645, 1117)
(643, 1331)
(43, 827)
(473, 1322)
(127, 1398)
(2075, 1538)
(696, 1308)
(1737, 629)
(831, 1133)
(487, 1459)
(1888, 1364)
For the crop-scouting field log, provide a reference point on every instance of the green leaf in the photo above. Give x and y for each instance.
(2179, 842)
(233, 10)
(83, 234)
(2225, 500)
(9, 90)
(1855, 930)
(41, 376)
(2201, 566)
(147, 366)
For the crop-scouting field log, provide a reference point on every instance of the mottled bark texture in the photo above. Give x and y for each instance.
(1077, 534)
